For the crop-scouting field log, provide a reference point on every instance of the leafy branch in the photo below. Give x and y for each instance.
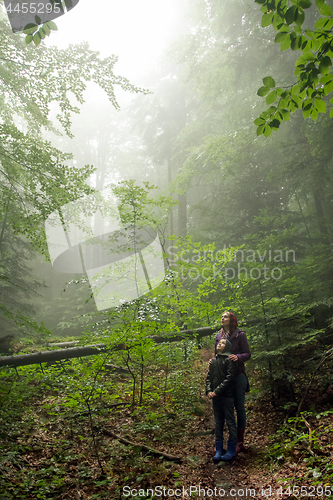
(35, 33)
(312, 68)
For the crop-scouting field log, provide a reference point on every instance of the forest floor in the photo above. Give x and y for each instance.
(54, 449)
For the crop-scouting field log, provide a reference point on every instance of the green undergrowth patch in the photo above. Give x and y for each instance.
(53, 417)
(304, 446)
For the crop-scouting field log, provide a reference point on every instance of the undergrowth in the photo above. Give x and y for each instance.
(306, 442)
(53, 418)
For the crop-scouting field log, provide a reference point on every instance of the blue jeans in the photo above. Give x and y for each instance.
(240, 389)
(224, 411)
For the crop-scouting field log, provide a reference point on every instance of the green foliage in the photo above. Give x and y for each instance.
(36, 34)
(296, 440)
(54, 415)
(312, 68)
(36, 178)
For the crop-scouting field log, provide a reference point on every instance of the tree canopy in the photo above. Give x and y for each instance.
(36, 178)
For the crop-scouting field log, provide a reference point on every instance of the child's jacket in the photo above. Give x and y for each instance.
(222, 373)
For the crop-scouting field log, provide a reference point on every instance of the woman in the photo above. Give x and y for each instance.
(241, 353)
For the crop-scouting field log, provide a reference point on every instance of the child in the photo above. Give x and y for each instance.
(220, 388)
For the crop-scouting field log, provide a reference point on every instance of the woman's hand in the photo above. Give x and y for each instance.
(211, 395)
(233, 357)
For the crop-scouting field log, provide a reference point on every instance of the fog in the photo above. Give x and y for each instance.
(188, 130)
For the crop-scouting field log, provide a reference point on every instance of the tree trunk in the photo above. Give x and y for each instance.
(77, 352)
(182, 216)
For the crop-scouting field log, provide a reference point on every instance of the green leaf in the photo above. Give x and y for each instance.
(331, 113)
(259, 121)
(320, 105)
(266, 19)
(296, 43)
(46, 29)
(271, 97)
(260, 129)
(36, 38)
(299, 17)
(263, 91)
(324, 70)
(284, 102)
(292, 106)
(277, 22)
(265, 115)
(291, 14)
(275, 123)
(328, 88)
(285, 44)
(51, 25)
(326, 61)
(326, 10)
(267, 131)
(305, 4)
(306, 113)
(279, 116)
(297, 100)
(326, 79)
(322, 22)
(38, 19)
(306, 57)
(28, 39)
(268, 81)
(320, 3)
(314, 114)
(285, 114)
(307, 104)
(30, 28)
(306, 45)
(280, 37)
(295, 89)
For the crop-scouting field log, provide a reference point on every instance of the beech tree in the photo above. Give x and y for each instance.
(35, 176)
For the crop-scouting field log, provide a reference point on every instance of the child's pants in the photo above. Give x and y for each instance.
(224, 410)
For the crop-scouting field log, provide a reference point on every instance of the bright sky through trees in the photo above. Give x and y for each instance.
(137, 32)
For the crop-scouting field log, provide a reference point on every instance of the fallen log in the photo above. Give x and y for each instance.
(63, 344)
(36, 358)
(77, 352)
(167, 456)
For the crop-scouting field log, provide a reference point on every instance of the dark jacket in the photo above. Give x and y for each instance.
(221, 374)
(240, 347)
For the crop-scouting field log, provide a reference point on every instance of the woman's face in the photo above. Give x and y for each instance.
(225, 320)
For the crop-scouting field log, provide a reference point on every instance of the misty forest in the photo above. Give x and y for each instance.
(131, 218)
